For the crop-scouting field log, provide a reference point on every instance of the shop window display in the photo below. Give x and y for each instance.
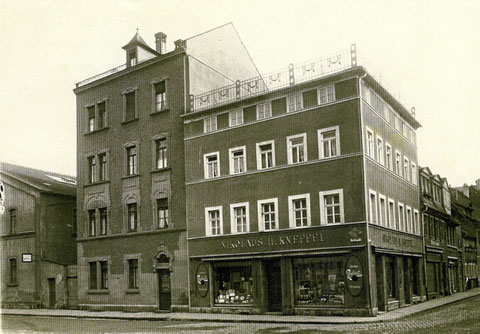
(233, 285)
(319, 282)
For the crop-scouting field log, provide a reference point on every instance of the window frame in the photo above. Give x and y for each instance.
(231, 159)
(323, 211)
(392, 219)
(406, 168)
(321, 152)
(208, 226)
(382, 219)
(398, 161)
(319, 95)
(261, 222)
(230, 118)
(369, 145)
(153, 84)
(233, 223)
(259, 154)
(416, 222)
(92, 222)
(413, 169)
(133, 274)
(370, 208)
(295, 96)
(136, 218)
(380, 151)
(166, 217)
(12, 271)
(103, 223)
(289, 148)
(409, 219)
(291, 215)
(269, 109)
(205, 164)
(127, 147)
(388, 157)
(208, 121)
(12, 220)
(159, 147)
(124, 94)
(401, 216)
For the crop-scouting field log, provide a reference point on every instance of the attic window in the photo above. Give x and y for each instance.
(132, 58)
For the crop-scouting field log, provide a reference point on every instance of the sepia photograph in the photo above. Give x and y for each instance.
(240, 167)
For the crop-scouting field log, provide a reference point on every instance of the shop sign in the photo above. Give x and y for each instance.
(355, 235)
(202, 280)
(397, 241)
(306, 238)
(354, 276)
(27, 257)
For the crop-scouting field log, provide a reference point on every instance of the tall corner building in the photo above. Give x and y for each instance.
(132, 236)
(302, 194)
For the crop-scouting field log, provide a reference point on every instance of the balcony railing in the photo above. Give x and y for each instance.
(294, 75)
(101, 75)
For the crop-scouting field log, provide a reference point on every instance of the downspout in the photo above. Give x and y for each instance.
(369, 251)
(424, 253)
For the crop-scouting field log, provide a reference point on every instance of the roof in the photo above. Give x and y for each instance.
(138, 40)
(41, 180)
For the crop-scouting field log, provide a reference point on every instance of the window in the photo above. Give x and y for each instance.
(132, 58)
(12, 270)
(103, 275)
(236, 117)
(404, 128)
(233, 285)
(102, 173)
(370, 144)
(373, 206)
(380, 157)
(406, 168)
(131, 160)
(398, 159)
(130, 106)
(211, 165)
(416, 222)
(92, 224)
(294, 102)
(299, 210)
(103, 221)
(92, 167)
(91, 118)
(160, 96)
(266, 154)
(264, 110)
(297, 148)
(382, 210)
(214, 221)
(210, 124)
(13, 221)
(388, 153)
(133, 274)
(331, 207)
(326, 94)
(401, 217)
(237, 160)
(414, 174)
(102, 115)
(329, 142)
(161, 153)
(93, 275)
(267, 214)
(239, 218)
(391, 274)
(132, 217)
(162, 212)
(409, 227)
(391, 214)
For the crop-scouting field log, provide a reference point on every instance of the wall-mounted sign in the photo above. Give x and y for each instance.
(201, 278)
(354, 276)
(27, 257)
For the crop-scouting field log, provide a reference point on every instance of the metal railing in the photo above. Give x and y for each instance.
(101, 75)
(300, 73)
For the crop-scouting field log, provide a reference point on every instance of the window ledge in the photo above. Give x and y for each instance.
(98, 292)
(95, 183)
(160, 112)
(132, 291)
(130, 120)
(156, 170)
(12, 285)
(130, 176)
(96, 131)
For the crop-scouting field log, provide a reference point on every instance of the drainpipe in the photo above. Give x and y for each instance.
(424, 253)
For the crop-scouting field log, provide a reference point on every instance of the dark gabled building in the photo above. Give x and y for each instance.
(302, 194)
(132, 252)
(37, 238)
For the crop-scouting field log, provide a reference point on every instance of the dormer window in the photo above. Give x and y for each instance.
(132, 58)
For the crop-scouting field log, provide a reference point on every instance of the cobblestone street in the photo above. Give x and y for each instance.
(460, 317)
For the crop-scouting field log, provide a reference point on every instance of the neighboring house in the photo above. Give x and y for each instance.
(37, 238)
(132, 251)
(302, 194)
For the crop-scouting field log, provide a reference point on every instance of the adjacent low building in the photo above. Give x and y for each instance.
(37, 238)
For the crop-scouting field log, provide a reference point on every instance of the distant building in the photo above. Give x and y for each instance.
(37, 238)
(132, 242)
(302, 194)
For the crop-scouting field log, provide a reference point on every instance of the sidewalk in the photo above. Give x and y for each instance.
(215, 317)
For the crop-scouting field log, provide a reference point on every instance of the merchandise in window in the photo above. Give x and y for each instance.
(233, 285)
(319, 282)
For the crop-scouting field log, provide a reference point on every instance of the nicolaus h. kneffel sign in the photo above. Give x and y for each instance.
(260, 242)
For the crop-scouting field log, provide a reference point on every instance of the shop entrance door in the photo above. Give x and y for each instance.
(164, 290)
(274, 285)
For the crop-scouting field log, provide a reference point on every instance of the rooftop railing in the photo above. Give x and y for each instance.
(101, 75)
(294, 75)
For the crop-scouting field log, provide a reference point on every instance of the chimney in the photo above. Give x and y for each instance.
(477, 182)
(161, 42)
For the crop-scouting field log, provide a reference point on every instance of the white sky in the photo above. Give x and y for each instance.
(425, 50)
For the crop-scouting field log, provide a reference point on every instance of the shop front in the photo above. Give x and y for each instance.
(435, 272)
(319, 270)
(398, 261)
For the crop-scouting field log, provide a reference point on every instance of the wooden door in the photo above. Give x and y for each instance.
(164, 289)
(274, 285)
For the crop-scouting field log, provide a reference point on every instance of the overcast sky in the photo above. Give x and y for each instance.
(426, 51)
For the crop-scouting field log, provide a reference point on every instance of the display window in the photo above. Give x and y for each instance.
(233, 285)
(319, 282)
(390, 273)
